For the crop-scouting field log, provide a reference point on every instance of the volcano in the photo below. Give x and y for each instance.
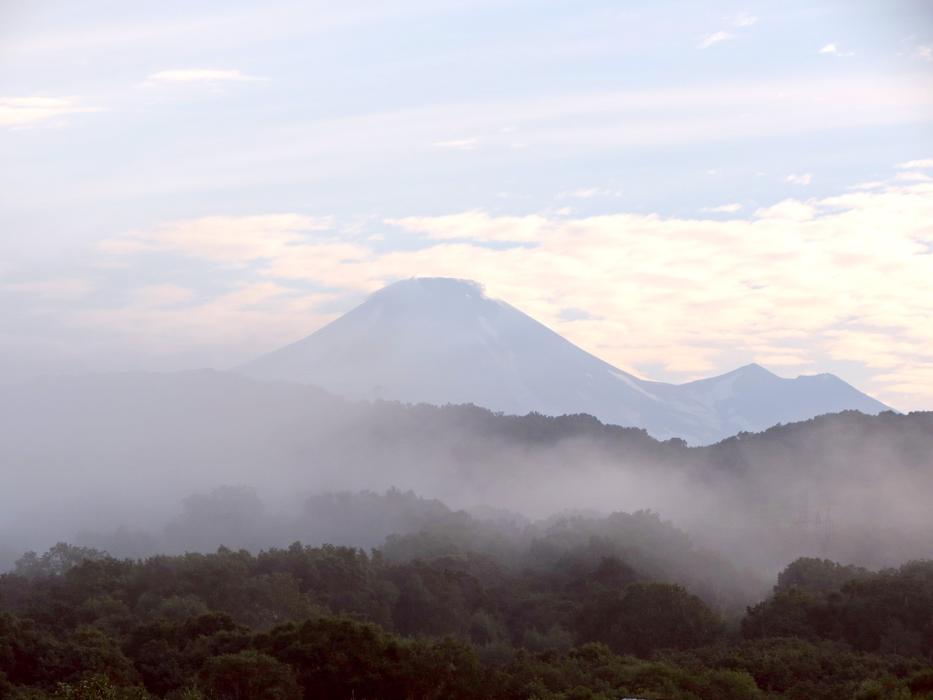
(444, 341)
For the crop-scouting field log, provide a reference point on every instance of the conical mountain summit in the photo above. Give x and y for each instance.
(441, 340)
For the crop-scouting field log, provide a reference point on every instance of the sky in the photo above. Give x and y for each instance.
(679, 188)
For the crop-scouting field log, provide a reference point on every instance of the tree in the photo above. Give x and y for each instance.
(98, 687)
(56, 561)
(648, 616)
(818, 575)
(248, 675)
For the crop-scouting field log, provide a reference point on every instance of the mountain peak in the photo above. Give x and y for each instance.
(440, 297)
(414, 287)
(442, 340)
(431, 283)
(753, 368)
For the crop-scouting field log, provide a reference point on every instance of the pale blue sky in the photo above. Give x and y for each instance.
(580, 158)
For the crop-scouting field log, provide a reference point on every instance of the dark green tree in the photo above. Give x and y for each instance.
(248, 675)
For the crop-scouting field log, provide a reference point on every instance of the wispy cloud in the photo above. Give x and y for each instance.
(724, 208)
(799, 179)
(922, 163)
(198, 75)
(584, 193)
(232, 240)
(467, 144)
(789, 209)
(912, 176)
(475, 226)
(923, 53)
(743, 20)
(715, 38)
(615, 119)
(589, 193)
(28, 111)
(834, 50)
(868, 185)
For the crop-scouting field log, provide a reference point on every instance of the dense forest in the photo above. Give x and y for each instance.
(417, 620)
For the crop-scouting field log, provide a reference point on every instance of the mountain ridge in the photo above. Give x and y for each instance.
(441, 340)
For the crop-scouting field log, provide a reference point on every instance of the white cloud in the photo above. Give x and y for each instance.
(475, 226)
(232, 240)
(923, 53)
(584, 193)
(742, 20)
(913, 176)
(801, 179)
(467, 144)
(29, 111)
(869, 185)
(291, 246)
(589, 193)
(833, 50)
(789, 209)
(724, 208)
(715, 38)
(197, 75)
(921, 164)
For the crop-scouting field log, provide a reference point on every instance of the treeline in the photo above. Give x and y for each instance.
(336, 622)
(406, 527)
(890, 611)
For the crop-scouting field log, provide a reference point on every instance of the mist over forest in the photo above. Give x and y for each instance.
(148, 463)
(205, 535)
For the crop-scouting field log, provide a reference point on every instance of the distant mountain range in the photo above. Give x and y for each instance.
(440, 341)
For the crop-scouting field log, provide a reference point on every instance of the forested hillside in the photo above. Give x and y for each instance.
(337, 622)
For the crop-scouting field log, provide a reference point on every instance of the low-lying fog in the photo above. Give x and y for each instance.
(142, 463)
